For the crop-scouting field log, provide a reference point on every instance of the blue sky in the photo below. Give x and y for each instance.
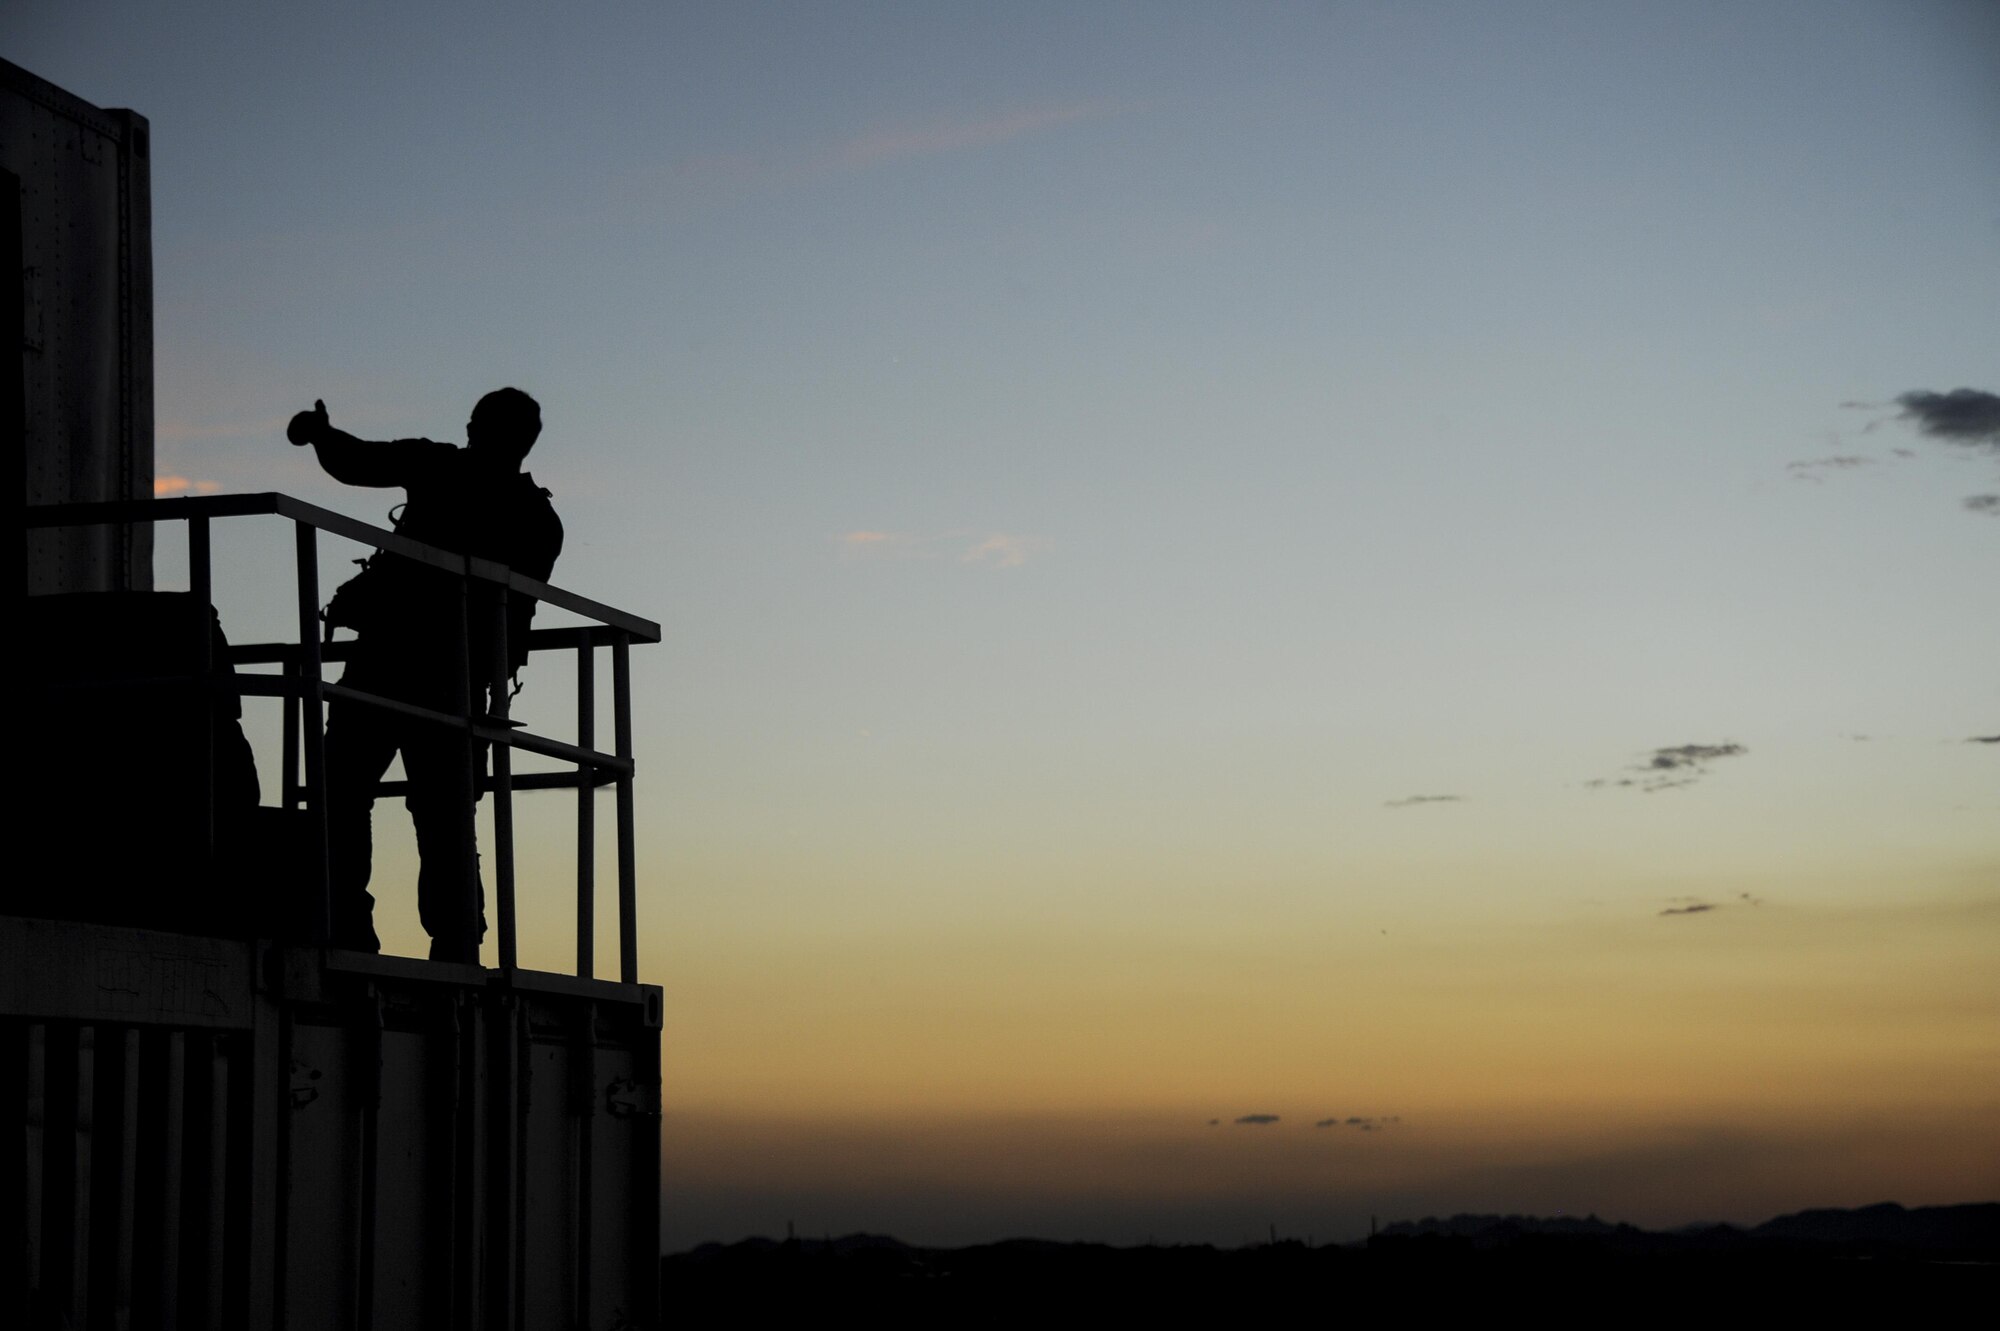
(1094, 462)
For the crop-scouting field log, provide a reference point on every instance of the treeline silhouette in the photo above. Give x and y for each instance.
(1885, 1256)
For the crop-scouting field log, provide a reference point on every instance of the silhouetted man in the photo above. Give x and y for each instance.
(474, 500)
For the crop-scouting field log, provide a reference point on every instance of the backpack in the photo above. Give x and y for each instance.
(393, 597)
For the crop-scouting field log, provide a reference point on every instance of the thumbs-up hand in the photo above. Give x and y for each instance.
(307, 425)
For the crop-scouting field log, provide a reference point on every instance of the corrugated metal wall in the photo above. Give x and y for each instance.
(201, 1132)
(131, 1173)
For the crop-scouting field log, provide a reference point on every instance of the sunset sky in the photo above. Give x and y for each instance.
(1224, 566)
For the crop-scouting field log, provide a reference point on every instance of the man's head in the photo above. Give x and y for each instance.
(504, 425)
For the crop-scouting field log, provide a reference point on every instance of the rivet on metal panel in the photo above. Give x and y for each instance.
(303, 1090)
(624, 1098)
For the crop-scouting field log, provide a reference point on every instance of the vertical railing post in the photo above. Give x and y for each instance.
(201, 588)
(289, 746)
(467, 911)
(201, 570)
(586, 808)
(313, 732)
(500, 669)
(628, 906)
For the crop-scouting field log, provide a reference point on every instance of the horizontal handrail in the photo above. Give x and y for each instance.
(492, 734)
(353, 529)
(595, 779)
(290, 653)
(288, 686)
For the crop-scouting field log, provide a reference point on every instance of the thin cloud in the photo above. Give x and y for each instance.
(1699, 906)
(1672, 767)
(175, 432)
(1965, 416)
(1360, 1122)
(1962, 416)
(950, 136)
(1815, 469)
(1001, 550)
(993, 550)
(1258, 1120)
(1984, 739)
(1409, 800)
(1692, 755)
(872, 543)
(164, 486)
(706, 179)
(1968, 417)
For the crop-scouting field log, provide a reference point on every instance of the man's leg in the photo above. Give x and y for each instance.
(360, 744)
(443, 793)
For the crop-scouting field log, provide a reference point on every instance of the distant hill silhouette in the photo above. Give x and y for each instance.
(1971, 1228)
(1885, 1256)
(1971, 1231)
(1473, 1226)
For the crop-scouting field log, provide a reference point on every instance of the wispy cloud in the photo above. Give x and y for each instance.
(1258, 1120)
(1360, 1122)
(707, 179)
(1809, 469)
(993, 549)
(1001, 551)
(164, 486)
(871, 543)
(1962, 416)
(1969, 417)
(1984, 739)
(1701, 906)
(950, 136)
(1409, 800)
(1674, 766)
(1692, 755)
(181, 432)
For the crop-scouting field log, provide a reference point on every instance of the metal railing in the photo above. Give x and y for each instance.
(305, 692)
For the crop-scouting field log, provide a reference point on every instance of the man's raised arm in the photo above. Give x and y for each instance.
(354, 461)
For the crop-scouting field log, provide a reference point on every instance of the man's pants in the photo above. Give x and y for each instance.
(361, 741)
